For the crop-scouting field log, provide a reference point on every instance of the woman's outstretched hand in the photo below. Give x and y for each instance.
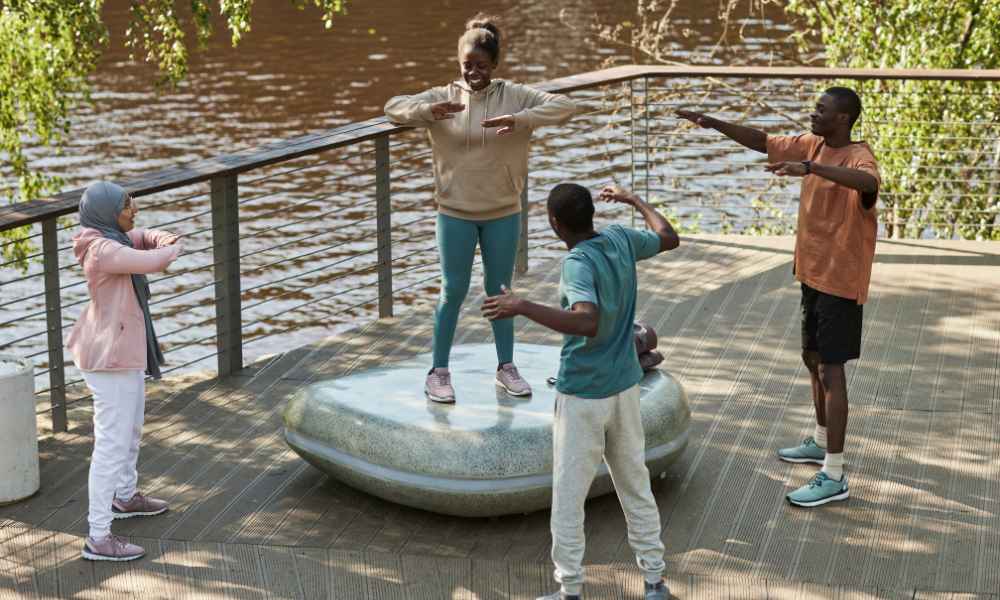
(504, 122)
(446, 110)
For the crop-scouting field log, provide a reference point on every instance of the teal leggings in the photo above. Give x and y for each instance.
(457, 239)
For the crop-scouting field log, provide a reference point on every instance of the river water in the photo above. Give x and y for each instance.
(313, 228)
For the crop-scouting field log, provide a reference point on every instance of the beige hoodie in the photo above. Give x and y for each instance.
(479, 175)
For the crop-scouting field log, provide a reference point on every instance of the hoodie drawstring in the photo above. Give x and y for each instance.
(486, 113)
(468, 120)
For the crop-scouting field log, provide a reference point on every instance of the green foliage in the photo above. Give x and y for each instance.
(160, 32)
(938, 142)
(768, 219)
(682, 224)
(50, 47)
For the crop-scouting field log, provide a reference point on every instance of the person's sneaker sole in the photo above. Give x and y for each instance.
(509, 391)
(91, 556)
(438, 399)
(801, 461)
(837, 497)
(129, 515)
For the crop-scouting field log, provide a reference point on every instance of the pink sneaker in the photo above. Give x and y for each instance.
(138, 506)
(438, 387)
(509, 379)
(111, 547)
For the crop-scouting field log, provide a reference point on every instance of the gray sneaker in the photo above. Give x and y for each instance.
(559, 595)
(511, 381)
(138, 506)
(111, 547)
(807, 452)
(656, 591)
(438, 386)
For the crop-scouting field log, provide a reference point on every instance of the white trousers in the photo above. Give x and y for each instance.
(119, 407)
(584, 431)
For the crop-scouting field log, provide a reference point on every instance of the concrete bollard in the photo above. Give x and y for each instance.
(19, 476)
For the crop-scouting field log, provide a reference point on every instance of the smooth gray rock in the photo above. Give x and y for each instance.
(489, 454)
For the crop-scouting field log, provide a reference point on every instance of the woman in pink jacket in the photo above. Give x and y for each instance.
(114, 346)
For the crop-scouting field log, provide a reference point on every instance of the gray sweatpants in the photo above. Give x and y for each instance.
(585, 430)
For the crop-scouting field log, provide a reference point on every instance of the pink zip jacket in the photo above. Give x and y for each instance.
(110, 334)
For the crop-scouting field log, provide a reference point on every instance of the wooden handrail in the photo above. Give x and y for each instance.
(628, 72)
(34, 211)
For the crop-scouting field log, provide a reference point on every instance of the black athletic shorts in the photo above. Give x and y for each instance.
(831, 326)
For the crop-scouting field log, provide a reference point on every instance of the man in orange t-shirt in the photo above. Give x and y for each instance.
(834, 250)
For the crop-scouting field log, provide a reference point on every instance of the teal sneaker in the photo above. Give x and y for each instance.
(656, 591)
(820, 490)
(807, 452)
(559, 595)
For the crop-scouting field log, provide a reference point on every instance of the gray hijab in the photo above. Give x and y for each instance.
(100, 206)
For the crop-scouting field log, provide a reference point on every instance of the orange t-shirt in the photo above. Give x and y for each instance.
(835, 241)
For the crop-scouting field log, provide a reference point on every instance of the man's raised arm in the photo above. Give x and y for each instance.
(656, 222)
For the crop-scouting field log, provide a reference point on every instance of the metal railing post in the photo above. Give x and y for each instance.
(383, 224)
(53, 325)
(521, 266)
(646, 158)
(631, 124)
(226, 255)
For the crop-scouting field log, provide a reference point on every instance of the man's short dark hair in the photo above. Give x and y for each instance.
(847, 101)
(573, 206)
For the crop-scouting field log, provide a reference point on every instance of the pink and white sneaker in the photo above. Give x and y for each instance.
(438, 387)
(138, 506)
(510, 380)
(111, 547)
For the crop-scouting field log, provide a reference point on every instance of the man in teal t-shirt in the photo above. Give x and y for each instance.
(597, 405)
(601, 270)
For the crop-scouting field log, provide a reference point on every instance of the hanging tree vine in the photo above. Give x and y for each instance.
(51, 47)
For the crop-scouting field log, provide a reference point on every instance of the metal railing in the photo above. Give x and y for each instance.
(294, 241)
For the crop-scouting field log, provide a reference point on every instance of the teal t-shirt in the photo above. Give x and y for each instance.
(601, 270)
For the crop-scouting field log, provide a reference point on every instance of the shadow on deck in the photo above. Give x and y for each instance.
(250, 519)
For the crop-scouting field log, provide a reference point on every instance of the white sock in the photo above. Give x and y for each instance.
(820, 436)
(834, 465)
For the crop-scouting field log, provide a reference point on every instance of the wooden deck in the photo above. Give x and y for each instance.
(249, 519)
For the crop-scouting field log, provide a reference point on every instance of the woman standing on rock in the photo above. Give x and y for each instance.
(480, 129)
(114, 346)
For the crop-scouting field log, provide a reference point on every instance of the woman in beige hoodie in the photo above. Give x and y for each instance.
(480, 129)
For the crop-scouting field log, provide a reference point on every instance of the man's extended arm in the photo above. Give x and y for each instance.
(856, 179)
(853, 178)
(754, 139)
(581, 319)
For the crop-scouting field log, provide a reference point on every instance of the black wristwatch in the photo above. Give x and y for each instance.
(808, 165)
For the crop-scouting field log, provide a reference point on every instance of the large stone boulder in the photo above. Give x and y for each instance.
(489, 454)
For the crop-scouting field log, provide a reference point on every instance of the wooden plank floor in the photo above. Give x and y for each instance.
(250, 519)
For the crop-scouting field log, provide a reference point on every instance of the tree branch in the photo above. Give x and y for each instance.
(970, 25)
